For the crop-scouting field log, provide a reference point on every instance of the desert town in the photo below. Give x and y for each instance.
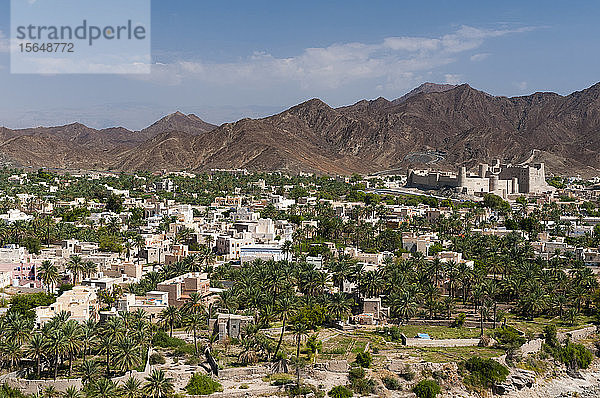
(241, 284)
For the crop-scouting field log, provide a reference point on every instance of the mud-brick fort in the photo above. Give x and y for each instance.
(497, 178)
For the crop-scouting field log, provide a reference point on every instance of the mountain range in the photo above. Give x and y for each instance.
(433, 126)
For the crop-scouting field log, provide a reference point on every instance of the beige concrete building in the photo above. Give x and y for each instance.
(180, 288)
(152, 303)
(229, 325)
(132, 270)
(418, 243)
(81, 302)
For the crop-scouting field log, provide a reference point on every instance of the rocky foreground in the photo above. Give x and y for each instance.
(563, 385)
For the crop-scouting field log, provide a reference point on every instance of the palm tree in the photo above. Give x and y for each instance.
(103, 388)
(36, 349)
(89, 371)
(158, 385)
(285, 308)
(169, 317)
(127, 355)
(50, 392)
(11, 352)
(193, 322)
(106, 346)
(72, 335)
(228, 300)
(114, 327)
(339, 306)
(299, 329)
(88, 336)
(370, 283)
(195, 304)
(71, 392)
(89, 268)
(403, 305)
(448, 303)
(128, 246)
(139, 243)
(75, 266)
(57, 346)
(17, 327)
(48, 273)
(132, 388)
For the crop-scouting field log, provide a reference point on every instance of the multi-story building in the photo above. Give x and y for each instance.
(80, 302)
(230, 246)
(180, 288)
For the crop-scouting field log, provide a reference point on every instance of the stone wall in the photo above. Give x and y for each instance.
(241, 373)
(33, 386)
(469, 323)
(410, 342)
(533, 346)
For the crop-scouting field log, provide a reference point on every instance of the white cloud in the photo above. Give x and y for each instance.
(4, 43)
(468, 38)
(521, 85)
(395, 62)
(411, 43)
(452, 79)
(479, 57)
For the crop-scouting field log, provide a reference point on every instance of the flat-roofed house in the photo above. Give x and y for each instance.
(81, 302)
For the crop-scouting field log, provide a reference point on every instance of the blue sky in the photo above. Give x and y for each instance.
(230, 59)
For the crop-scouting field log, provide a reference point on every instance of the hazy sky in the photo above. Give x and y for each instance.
(224, 60)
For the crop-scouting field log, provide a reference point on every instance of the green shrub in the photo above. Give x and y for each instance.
(391, 383)
(187, 349)
(25, 303)
(63, 288)
(359, 384)
(392, 333)
(485, 372)
(364, 359)
(356, 373)
(202, 385)
(244, 386)
(427, 389)
(574, 356)
(407, 373)
(439, 375)
(163, 340)
(156, 358)
(363, 386)
(301, 391)
(549, 335)
(509, 339)
(281, 379)
(459, 321)
(8, 391)
(314, 345)
(340, 392)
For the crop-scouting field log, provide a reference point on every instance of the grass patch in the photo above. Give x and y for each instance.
(536, 326)
(452, 354)
(438, 332)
